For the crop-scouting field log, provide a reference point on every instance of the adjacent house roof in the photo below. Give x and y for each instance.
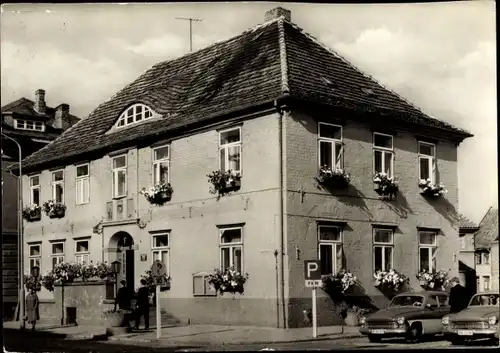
(466, 224)
(25, 107)
(488, 230)
(252, 69)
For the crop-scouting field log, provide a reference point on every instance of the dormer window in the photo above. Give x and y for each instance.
(134, 114)
(22, 124)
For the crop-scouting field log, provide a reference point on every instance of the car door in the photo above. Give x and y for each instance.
(435, 308)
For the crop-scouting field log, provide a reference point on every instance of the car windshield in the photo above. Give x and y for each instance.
(407, 300)
(485, 300)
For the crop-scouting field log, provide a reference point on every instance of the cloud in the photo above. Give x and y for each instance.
(167, 45)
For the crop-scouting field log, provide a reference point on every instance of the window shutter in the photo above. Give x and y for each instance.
(86, 190)
(79, 191)
(433, 170)
(339, 258)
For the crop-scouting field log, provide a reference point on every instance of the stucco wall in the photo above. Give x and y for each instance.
(495, 274)
(361, 207)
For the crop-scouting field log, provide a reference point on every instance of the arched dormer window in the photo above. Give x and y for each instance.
(134, 114)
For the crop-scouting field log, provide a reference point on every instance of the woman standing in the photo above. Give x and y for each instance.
(32, 308)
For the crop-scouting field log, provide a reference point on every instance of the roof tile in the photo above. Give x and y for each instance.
(488, 230)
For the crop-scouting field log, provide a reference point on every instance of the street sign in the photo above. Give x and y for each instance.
(312, 275)
(313, 283)
(312, 270)
(158, 269)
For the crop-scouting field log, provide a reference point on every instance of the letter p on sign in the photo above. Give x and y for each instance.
(312, 270)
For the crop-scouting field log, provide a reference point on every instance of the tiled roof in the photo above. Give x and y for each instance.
(488, 230)
(249, 70)
(465, 223)
(24, 106)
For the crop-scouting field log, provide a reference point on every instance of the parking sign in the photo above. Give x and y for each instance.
(312, 273)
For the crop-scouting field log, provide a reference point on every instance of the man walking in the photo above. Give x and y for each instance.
(142, 305)
(123, 297)
(459, 296)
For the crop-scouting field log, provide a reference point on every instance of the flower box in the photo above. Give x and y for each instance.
(427, 188)
(57, 213)
(32, 213)
(54, 209)
(390, 281)
(224, 182)
(385, 185)
(433, 280)
(158, 194)
(336, 178)
(229, 280)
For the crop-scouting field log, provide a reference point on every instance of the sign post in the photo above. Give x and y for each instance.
(312, 274)
(158, 270)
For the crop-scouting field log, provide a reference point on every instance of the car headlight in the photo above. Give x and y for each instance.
(445, 320)
(400, 320)
(492, 320)
(362, 320)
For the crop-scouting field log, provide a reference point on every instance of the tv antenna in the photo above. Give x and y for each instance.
(190, 19)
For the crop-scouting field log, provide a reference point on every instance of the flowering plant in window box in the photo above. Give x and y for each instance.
(433, 280)
(54, 209)
(341, 281)
(151, 283)
(223, 182)
(391, 280)
(66, 272)
(100, 270)
(386, 185)
(158, 194)
(430, 189)
(32, 213)
(333, 177)
(48, 281)
(229, 280)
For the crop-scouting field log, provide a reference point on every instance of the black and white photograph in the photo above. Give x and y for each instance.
(249, 176)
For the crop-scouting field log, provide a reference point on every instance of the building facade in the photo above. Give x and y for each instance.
(297, 112)
(33, 125)
(485, 256)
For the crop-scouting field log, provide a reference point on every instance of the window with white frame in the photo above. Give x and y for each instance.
(427, 161)
(58, 186)
(161, 164)
(35, 256)
(231, 248)
(82, 253)
(57, 253)
(161, 248)
(383, 249)
(120, 176)
(134, 114)
(82, 184)
(35, 190)
(330, 146)
(486, 283)
(463, 241)
(22, 124)
(482, 258)
(383, 155)
(230, 149)
(330, 249)
(427, 249)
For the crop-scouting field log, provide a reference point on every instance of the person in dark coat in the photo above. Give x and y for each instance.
(459, 296)
(142, 305)
(123, 297)
(32, 311)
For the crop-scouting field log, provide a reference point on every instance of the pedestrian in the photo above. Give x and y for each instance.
(123, 297)
(142, 305)
(32, 311)
(459, 296)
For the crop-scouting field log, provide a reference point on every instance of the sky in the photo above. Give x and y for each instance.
(440, 56)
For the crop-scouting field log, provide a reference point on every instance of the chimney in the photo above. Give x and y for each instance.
(62, 112)
(278, 12)
(40, 101)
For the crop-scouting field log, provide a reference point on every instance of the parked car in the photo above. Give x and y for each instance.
(410, 315)
(478, 320)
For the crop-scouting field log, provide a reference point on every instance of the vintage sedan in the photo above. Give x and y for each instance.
(410, 315)
(478, 321)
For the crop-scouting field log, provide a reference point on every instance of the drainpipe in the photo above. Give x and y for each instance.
(281, 212)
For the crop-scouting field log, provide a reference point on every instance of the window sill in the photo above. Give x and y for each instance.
(119, 197)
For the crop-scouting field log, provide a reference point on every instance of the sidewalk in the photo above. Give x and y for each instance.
(69, 331)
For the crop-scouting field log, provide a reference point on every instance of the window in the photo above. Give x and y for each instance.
(29, 125)
(230, 150)
(427, 249)
(427, 161)
(35, 190)
(82, 184)
(82, 253)
(478, 259)
(463, 241)
(120, 176)
(58, 186)
(383, 156)
(231, 248)
(161, 164)
(134, 114)
(57, 253)
(330, 146)
(478, 283)
(486, 283)
(330, 249)
(201, 287)
(486, 258)
(383, 245)
(161, 247)
(35, 258)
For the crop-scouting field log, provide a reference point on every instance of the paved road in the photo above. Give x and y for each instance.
(16, 341)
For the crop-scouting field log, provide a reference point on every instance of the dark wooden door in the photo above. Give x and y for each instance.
(129, 268)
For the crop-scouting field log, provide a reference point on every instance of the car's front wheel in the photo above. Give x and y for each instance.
(374, 339)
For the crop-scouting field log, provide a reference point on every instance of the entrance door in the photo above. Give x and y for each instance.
(129, 268)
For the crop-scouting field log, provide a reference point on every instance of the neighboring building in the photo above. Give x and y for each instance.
(466, 257)
(273, 104)
(33, 125)
(495, 273)
(484, 240)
